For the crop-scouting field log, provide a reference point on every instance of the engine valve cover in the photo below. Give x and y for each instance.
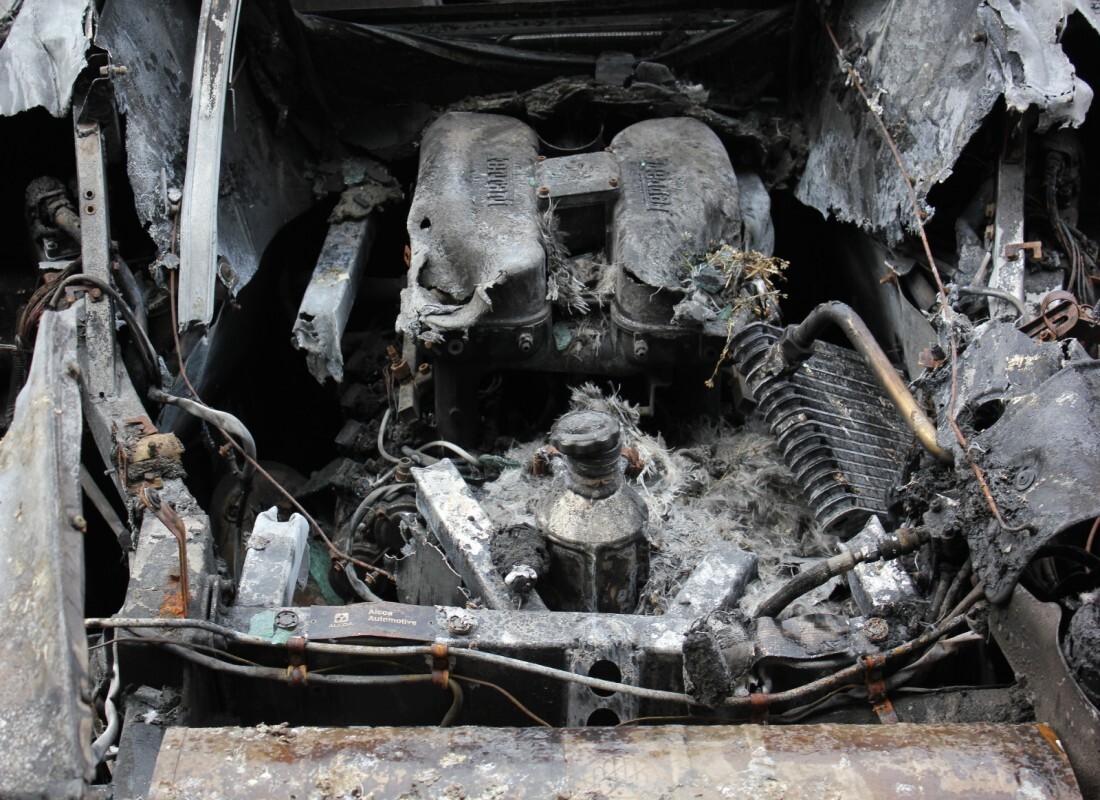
(485, 205)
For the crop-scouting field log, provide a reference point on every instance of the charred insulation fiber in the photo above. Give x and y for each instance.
(728, 485)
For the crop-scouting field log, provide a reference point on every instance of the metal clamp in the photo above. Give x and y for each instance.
(297, 673)
(759, 706)
(876, 689)
(441, 665)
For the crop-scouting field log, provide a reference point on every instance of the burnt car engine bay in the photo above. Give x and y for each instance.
(545, 399)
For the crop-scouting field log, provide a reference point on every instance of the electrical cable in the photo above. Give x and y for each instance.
(381, 439)
(104, 741)
(858, 670)
(360, 588)
(280, 674)
(456, 704)
(953, 590)
(148, 352)
(335, 552)
(132, 289)
(746, 703)
(573, 677)
(526, 711)
(142, 639)
(887, 548)
(219, 419)
(454, 448)
(1000, 294)
(408, 650)
(367, 503)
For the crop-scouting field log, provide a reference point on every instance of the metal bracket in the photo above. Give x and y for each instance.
(876, 689)
(199, 218)
(171, 520)
(95, 237)
(1008, 226)
(1013, 251)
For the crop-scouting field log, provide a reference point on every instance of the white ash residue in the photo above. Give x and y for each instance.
(728, 484)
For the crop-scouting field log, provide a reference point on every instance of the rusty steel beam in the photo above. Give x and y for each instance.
(851, 761)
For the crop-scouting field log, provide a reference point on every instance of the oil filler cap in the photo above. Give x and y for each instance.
(586, 433)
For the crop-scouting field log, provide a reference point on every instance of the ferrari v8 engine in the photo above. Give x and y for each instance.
(578, 263)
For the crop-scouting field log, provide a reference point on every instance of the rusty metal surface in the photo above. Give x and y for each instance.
(972, 761)
(45, 726)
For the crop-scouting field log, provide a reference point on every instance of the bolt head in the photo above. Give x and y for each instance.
(460, 624)
(876, 629)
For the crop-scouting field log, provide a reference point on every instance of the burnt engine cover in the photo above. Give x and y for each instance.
(491, 220)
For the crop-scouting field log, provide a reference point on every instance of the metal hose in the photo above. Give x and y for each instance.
(886, 549)
(796, 345)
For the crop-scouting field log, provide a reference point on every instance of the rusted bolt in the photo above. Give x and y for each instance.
(608, 150)
(525, 342)
(79, 523)
(89, 209)
(226, 272)
(1024, 478)
(424, 368)
(613, 181)
(460, 623)
(544, 191)
(876, 629)
(96, 294)
(287, 620)
(402, 473)
(641, 349)
(542, 158)
(89, 194)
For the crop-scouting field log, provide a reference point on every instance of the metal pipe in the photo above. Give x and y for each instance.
(222, 419)
(796, 345)
(104, 741)
(891, 547)
(986, 291)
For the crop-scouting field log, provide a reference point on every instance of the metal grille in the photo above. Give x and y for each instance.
(839, 433)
